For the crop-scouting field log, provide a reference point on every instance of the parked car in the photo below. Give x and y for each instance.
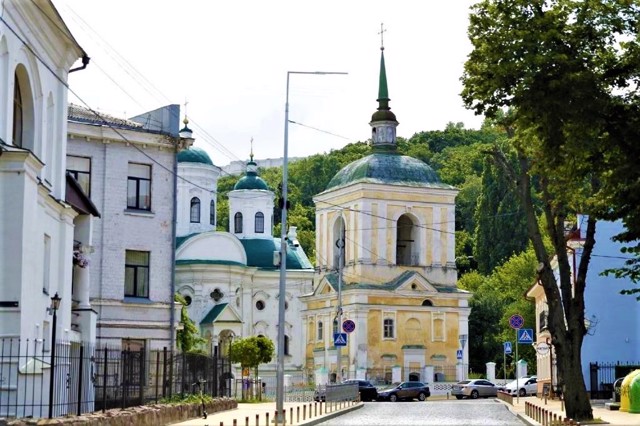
(405, 391)
(367, 391)
(474, 389)
(527, 385)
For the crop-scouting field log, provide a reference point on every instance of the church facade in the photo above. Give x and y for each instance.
(385, 244)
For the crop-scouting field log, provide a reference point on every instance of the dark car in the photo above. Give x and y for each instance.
(367, 391)
(405, 391)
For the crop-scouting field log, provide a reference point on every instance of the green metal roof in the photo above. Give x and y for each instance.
(332, 279)
(251, 180)
(213, 313)
(194, 155)
(260, 254)
(388, 169)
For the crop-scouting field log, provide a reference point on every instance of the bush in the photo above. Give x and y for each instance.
(187, 398)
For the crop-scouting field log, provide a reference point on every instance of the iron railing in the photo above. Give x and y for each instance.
(603, 375)
(89, 378)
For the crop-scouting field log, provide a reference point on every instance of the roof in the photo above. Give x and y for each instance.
(85, 115)
(214, 313)
(332, 279)
(388, 169)
(194, 155)
(75, 196)
(251, 180)
(260, 253)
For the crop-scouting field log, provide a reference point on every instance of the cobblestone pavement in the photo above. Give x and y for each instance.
(441, 413)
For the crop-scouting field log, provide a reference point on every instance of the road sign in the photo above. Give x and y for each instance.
(459, 354)
(516, 321)
(348, 326)
(542, 348)
(507, 348)
(340, 339)
(525, 335)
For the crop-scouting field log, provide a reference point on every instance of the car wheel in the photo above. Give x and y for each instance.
(422, 396)
(523, 392)
(393, 397)
(474, 394)
(458, 396)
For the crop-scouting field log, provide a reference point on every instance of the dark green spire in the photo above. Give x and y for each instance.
(383, 91)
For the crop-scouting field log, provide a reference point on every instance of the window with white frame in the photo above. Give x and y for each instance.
(388, 328)
(259, 225)
(139, 187)
(195, 210)
(320, 331)
(237, 223)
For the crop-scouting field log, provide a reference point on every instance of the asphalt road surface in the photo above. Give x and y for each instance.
(441, 413)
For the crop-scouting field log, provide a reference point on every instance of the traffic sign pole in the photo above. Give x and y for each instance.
(516, 368)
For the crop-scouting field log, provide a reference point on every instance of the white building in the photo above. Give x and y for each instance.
(41, 213)
(231, 279)
(128, 171)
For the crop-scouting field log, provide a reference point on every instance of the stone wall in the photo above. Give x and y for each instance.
(145, 415)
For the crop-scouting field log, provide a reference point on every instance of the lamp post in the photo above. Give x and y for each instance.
(55, 304)
(283, 248)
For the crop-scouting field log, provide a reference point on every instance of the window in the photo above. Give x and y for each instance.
(47, 264)
(388, 329)
(80, 169)
(17, 112)
(259, 223)
(237, 223)
(212, 213)
(139, 187)
(286, 345)
(188, 300)
(427, 302)
(136, 274)
(259, 305)
(195, 210)
(320, 331)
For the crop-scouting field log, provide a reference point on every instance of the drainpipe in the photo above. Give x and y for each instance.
(85, 62)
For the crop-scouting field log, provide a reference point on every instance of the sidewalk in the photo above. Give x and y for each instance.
(555, 407)
(262, 414)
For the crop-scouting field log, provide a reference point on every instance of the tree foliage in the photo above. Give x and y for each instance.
(568, 70)
(188, 339)
(252, 351)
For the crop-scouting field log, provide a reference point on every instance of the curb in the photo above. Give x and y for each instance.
(332, 415)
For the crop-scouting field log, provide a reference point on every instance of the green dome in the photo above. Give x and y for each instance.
(388, 169)
(194, 155)
(251, 180)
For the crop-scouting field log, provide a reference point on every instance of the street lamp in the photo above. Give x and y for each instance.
(283, 248)
(55, 304)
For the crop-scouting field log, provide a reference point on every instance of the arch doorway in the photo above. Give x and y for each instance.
(407, 250)
(414, 377)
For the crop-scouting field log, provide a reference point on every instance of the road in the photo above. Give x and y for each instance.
(441, 413)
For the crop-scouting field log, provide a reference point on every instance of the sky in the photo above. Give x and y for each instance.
(226, 64)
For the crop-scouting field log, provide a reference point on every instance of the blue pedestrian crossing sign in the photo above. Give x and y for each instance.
(525, 335)
(339, 339)
(459, 354)
(507, 348)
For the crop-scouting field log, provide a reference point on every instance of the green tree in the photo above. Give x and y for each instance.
(252, 351)
(569, 71)
(188, 339)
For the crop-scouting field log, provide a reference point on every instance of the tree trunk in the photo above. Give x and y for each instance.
(574, 391)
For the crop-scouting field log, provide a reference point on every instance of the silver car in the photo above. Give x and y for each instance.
(474, 389)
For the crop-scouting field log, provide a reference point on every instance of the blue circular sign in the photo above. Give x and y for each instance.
(516, 321)
(348, 326)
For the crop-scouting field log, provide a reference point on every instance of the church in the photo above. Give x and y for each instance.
(386, 306)
(385, 273)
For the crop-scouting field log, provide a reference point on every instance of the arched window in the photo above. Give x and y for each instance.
(320, 332)
(212, 213)
(17, 112)
(286, 345)
(427, 302)
(406, 244)
(195, 210)
(259, 223)
(237, 223)
(335, 326)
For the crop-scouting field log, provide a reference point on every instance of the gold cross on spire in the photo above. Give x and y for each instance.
(251, 154)
(382, 31)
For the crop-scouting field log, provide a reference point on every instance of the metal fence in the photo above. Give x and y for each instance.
(604, 374)
(86, 378)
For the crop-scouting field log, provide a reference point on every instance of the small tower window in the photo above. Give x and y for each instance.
(237, 223)
(195, 210)
(259, 223)
(260, 305)
(212, 213)
(427, 302)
